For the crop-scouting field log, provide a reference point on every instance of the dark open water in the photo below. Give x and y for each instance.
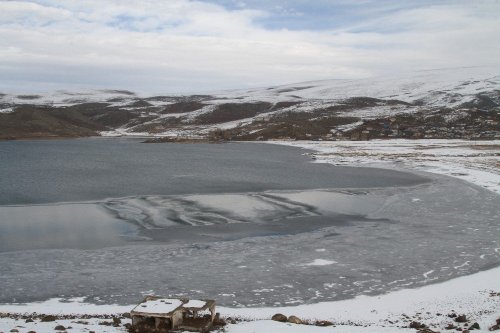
(35, 172)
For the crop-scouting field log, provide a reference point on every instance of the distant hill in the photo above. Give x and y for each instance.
(445, 103)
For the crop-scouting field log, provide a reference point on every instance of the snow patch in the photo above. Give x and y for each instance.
(473, 161)
(320, 262)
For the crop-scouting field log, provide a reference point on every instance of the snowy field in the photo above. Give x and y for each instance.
(477, 162)
(477, 295)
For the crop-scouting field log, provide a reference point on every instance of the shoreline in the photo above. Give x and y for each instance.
(455, 158)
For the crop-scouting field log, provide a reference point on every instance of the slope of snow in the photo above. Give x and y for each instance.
(436, 87)
(66, 98)
(6, 110)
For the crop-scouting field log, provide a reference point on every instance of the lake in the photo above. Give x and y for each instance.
(248, 224)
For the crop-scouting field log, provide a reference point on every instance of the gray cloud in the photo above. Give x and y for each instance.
(180, 45)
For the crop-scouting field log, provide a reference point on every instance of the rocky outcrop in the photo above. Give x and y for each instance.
(279, 317)
(294, 320)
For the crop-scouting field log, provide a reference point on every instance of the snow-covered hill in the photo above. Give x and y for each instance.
(438, 87)
(449, 93)
(433, 87)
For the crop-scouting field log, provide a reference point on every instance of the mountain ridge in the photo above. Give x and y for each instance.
(427, 104)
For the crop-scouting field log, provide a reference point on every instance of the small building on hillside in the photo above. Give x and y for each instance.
(174, 314)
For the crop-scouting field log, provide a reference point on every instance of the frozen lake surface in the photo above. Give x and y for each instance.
(246, 224)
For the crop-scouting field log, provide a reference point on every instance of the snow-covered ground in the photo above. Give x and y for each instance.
(477, 162)
(436, 87)
(477, 296)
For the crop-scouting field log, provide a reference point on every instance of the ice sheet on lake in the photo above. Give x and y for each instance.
(452, 230)
(197, 210)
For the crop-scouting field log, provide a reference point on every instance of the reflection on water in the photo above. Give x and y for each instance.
(216, 217)
(153, 212)
(60, 226)
(197, 210)
(343, 202)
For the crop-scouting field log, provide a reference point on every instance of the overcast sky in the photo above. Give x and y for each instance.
(182, 45)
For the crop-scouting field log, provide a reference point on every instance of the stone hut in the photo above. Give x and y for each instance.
(174, 314)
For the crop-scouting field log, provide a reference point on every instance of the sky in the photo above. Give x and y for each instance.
(195, 46)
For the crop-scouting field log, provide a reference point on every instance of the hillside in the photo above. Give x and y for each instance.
(445, 103)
